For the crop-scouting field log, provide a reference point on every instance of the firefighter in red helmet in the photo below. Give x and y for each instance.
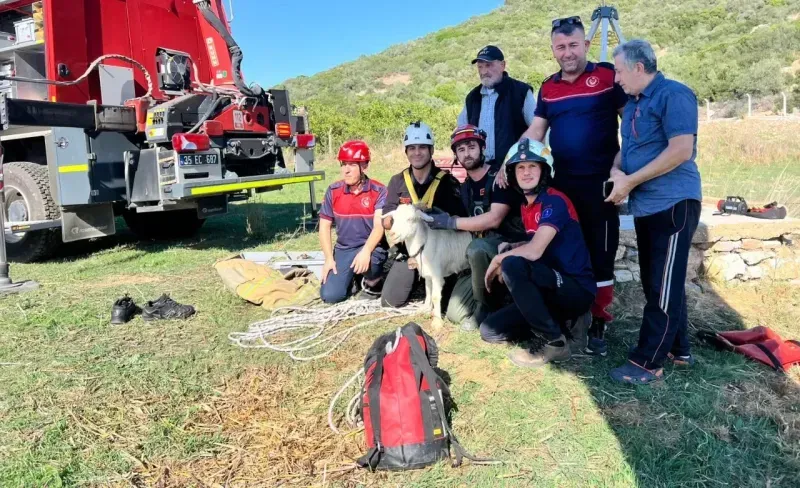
(354, 205)
(494, 218)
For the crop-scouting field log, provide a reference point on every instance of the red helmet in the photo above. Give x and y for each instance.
(354, 152)
(467, 132)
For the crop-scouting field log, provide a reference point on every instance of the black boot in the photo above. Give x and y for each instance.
(597, 344)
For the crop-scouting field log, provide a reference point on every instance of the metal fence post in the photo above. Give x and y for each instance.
(749, 105)
(708, 110)
(784, 104)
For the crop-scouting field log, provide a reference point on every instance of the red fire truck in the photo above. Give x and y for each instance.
(133, 108)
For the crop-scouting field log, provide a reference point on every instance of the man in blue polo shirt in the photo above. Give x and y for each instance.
(354, 204)
(659, 174)
(580, 105)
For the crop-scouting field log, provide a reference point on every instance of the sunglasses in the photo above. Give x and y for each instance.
(574, 20)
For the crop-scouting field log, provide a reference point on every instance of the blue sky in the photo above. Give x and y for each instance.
(282, 39)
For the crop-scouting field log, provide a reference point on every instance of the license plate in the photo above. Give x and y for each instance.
(199, 159)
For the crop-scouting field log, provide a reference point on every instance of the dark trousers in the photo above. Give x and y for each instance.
(600, 228)
(337, 286)
(664, 240)
(544, 300)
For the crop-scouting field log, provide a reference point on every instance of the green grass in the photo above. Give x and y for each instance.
(84, 403)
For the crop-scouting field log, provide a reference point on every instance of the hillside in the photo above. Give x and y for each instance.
(721, 48)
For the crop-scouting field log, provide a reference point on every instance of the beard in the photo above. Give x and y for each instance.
(470, 163)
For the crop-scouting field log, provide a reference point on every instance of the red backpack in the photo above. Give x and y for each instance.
(403, 404)
(759, 343)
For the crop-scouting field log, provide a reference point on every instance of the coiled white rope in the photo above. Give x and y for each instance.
(324, 325)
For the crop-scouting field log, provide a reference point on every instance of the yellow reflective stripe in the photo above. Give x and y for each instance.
(410, 186)
(205, 190)
(427, 198)
(73, 168)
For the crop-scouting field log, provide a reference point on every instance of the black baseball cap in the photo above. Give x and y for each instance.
(489, 53)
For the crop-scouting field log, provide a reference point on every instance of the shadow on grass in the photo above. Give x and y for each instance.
(245, 226)
(725, 421)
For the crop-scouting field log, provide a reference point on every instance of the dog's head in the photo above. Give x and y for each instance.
(406, 219)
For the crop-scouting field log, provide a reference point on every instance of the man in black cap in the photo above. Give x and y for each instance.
(502, 106)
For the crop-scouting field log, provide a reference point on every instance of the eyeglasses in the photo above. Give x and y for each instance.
(574, 20)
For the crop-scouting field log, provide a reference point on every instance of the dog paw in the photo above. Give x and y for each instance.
(437, 324)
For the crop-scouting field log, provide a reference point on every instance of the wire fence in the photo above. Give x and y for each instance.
(774, 107)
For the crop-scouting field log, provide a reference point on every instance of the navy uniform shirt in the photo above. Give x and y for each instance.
(567, 252)
(664, 109)
(353, 212)
(583, 121)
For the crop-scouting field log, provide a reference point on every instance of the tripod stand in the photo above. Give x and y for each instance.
(602, 17)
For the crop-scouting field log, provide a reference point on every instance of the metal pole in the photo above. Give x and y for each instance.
(6, 285)
(708, 110)
(749, 105)
(604, 39)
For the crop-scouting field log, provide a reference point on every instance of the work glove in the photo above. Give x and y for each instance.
(442, 221)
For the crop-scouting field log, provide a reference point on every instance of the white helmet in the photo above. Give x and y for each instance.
(418, 133)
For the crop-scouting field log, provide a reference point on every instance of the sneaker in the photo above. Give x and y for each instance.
(123, 310)
(556, 351)
(579, 330)
(597, 345)
(685, 361)
(367, 294)
(165, 308)
(633, 374)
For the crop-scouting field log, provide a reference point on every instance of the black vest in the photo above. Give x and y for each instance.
(509, 123)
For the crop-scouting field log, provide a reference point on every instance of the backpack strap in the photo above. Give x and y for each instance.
(487, 191)
(373, 457)
(435, 380)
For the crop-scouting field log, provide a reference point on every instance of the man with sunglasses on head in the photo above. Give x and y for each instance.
(501, 105)
(580, 105)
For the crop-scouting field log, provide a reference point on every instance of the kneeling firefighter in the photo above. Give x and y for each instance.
(427, 186)
(494, 217)
(549, 277)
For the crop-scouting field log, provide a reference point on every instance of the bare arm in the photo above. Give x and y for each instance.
(490, 220)
(532, 251)
(325, 238)
(537, 130)
(377, 232)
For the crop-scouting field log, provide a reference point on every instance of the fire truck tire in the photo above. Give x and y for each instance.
(176, 224)
(28, 197)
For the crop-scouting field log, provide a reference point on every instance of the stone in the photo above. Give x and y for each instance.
(736, 227)
(788, 239)
(751, 258)
(773, 244)
(623, 276)
(726, 246)
(725, 267)
(637, 276)
(632, 254)
(751, 244)
(695, 263)
(620, 253)
(693, 288)
(754, 273)
(627, 238)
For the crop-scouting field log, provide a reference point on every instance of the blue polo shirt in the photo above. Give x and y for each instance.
(352, 212)
(567, 252)
(583, 119)
(663, 110)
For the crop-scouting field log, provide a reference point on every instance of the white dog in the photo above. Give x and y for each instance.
(438, 253)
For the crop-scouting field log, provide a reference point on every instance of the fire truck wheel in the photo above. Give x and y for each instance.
(175, 224)
(27, 192)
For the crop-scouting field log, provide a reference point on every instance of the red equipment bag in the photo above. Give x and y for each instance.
(403, 404)
(759, 343)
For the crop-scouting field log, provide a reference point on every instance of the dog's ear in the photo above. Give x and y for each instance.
(424, 216)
